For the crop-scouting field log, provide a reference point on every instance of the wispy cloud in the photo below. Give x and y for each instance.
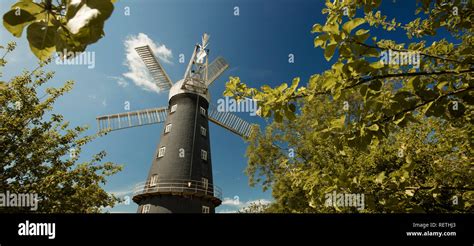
(125, 190)
(121, 81)
(138, 72)
(232, 201)
(233, 205)
(122, 193)
(227, 211)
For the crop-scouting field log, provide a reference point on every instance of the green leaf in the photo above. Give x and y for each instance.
(317, 28)
(16, 23)
(3, 85)
(289, 113)
(338, 123)
(42, 39)
(373, 127)
(362, 35)
(321, 40)
(377, 65)
(331, 28)
(329, 83)
(282, 87)
(278, 117)
(399, 118)
(350, 25)
(413, 83)
(376, 85)
(440, 85)
(427, 107)
(380, 178)
(292, 107)
(329, 51)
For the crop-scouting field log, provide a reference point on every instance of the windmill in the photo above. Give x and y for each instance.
(180, 178)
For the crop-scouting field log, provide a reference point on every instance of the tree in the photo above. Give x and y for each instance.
(388, 120)
(40, 151)
(63, 25)
(437, 82)
(423, 167)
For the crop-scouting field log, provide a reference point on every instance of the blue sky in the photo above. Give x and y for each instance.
(256, 43)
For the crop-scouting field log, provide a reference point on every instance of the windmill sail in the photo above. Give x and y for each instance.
(231, 122)
(215, 69)
(155, 68)
(131, 119)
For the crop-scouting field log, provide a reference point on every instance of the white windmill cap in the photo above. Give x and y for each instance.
(176, 89)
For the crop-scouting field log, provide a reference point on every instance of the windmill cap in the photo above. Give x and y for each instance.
(176, 89)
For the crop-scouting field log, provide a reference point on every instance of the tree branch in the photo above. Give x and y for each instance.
(361, 81)
(422, 104)
(404, 50)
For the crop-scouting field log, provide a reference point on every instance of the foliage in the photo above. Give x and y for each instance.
(423, 167)
(441, 86)
(398, 131)
(39, 151)
(54, 26)
(255, 208)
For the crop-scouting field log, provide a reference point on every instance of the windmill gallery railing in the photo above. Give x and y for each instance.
(180, 187)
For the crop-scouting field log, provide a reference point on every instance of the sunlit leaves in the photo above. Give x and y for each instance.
(397, 132)
(35, 156)
(15, 24)
(329, 51)
(65, 20)
(42, 38)
(352, 24)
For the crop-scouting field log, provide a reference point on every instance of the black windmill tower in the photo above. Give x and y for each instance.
(180, 178)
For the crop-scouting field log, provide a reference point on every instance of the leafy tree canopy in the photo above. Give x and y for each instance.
(441, 85)
(392, 121)
(39, 151)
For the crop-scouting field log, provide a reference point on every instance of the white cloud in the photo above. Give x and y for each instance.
(231, 202)
(120, 81)
(104, 102)
(237, 204)
(138, 72)
(125, 190)
(122, 193)
(227, 211)
(233, 205)
(83, 16)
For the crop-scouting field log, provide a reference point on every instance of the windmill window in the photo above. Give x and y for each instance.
(204, 155)
(154, 180)
(203, 111)
(161, 152)
(203, 131)
(173, 108)
(205, 183)
(205, 209)
(168, 128)
(146, 209)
